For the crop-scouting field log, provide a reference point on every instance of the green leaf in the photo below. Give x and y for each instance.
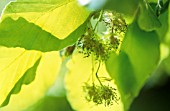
(166, 62)
(50, 103)
(82, 70)
(15, 62)
(153, 1)
(58, 88)
(147, 19)
(127, 7)
(58, 17)
(26, 79)
(137, 60)
(162, 31)
(168, 30)
(20, 33)
(46, 74)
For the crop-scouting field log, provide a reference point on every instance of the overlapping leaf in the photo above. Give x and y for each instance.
(147, 19)
(162, 31)
(45, 23)
(164, 35)
(18, 67)
(76, 79)
(167, 40)
(58, 17)
(26, 79)
(35, 25)
(137, 60)
(20, 33)
(50, 103)
(46, 74)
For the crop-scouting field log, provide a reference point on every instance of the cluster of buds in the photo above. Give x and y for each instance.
(91, 42)
(101, 45)
(101, 94)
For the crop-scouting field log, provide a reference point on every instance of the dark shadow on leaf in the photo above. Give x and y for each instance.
(21, 33)
(26, 79)
(51, 103)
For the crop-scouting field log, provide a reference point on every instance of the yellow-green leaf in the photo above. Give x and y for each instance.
(80, 72)
(14, 63)
(137, 60)
(26, 79)
(58, 17)
(167, 40)
(21, 33)
(45, 77)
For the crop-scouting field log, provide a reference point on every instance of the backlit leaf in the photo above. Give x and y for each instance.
(58, 17)
(15, 62)
(46, 75)
(50, 103)
(135, 63)
(167, 40)
(162, 31)
(20, 33)
(80, 72)
(26, 79)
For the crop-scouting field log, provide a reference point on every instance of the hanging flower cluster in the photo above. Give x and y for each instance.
(101, 44)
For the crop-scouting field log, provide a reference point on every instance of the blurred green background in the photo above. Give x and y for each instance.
(155, 97)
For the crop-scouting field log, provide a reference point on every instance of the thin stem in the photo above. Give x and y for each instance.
(92, 68)
(97, 74)
(91, 76)
(100, 16)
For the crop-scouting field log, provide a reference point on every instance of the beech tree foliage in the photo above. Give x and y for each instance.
(83, 55)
